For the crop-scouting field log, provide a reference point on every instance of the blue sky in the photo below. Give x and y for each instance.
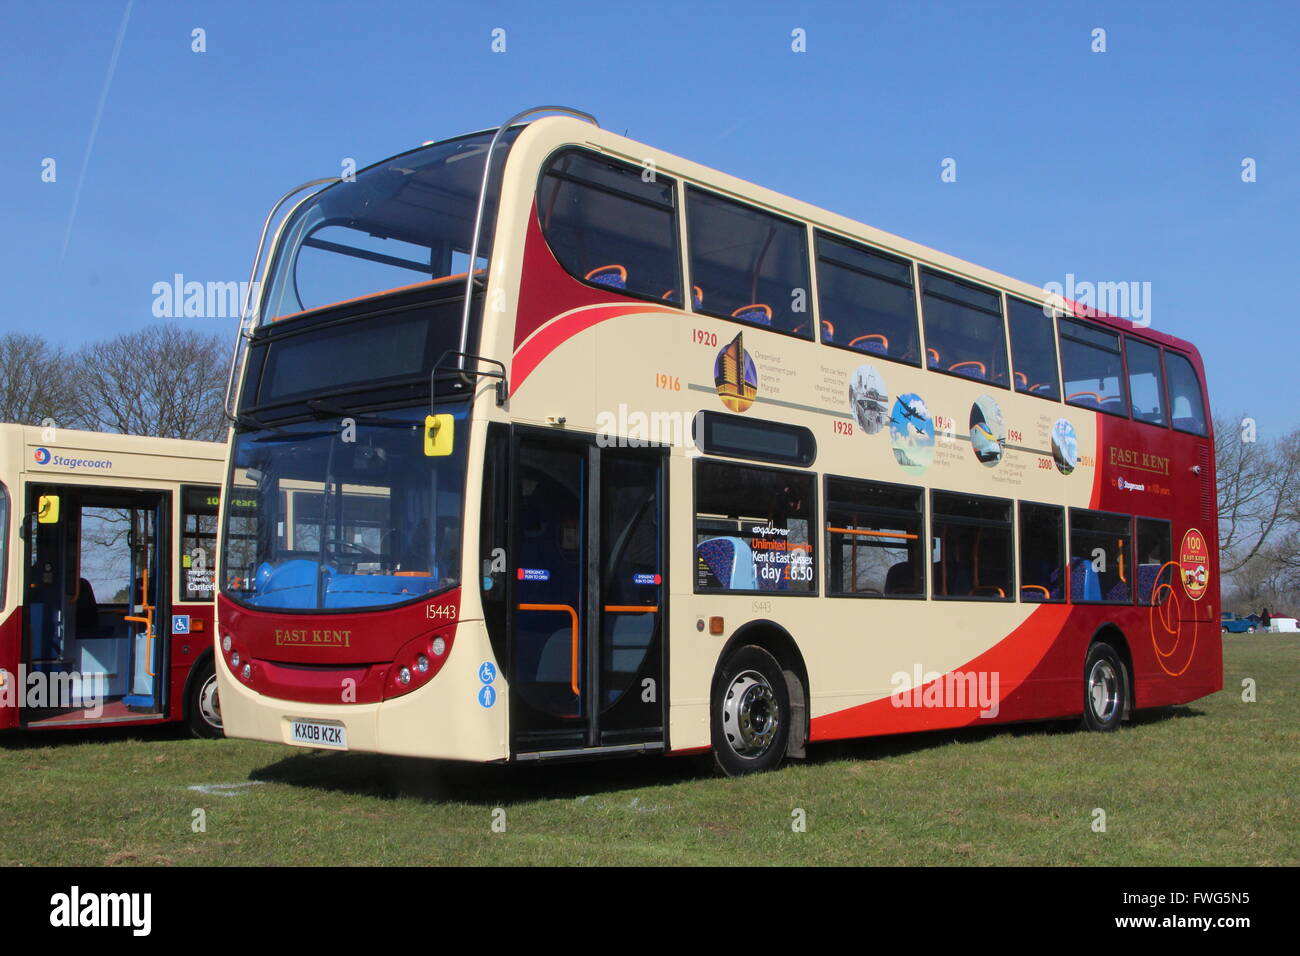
(1115, 166)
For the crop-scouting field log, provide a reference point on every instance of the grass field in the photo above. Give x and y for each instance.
(1211, 783)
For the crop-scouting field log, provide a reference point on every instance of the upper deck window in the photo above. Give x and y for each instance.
(748, 265)
(963, 329)
(1033, 350)
(866, 300)
(1093, 367)
(404, 221)
(610, 225)
(1185, 401)
(1146, 382)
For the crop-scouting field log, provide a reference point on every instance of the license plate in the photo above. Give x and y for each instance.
(317, 733)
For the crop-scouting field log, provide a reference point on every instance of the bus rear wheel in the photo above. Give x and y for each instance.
(750, 713)
(1105, 689)
(202, 707)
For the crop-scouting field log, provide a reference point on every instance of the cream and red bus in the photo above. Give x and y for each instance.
(551, 444)
(106, 580)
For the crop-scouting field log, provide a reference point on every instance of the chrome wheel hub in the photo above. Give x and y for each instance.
(209, 704)
(1103, 691)
(751, 715)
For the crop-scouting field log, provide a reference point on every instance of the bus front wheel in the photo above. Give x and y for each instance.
(202, 708)
(750, 713)
(1105, 688)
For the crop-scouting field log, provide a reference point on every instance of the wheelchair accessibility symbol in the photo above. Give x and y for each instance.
(487, 672)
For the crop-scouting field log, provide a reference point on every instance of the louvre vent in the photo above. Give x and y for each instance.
(1207, 505)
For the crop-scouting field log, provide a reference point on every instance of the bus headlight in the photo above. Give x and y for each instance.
(225, 643)
(417, 662)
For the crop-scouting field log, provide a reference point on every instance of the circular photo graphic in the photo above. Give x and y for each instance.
(1065, 446)
(735, 376)
(869, 399)
(988, 433)
(911, 433)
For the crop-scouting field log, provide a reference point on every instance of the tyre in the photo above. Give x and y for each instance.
(202, 708)
(750, 713)
(1105, 688)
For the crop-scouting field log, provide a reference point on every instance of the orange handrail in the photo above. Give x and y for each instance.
(632, 608)
(874, 534)
(1047, 595)
(147, 621)
(573, 639)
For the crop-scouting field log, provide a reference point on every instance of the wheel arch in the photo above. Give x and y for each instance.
(778, 642)
(206, 656)
(1110, 633)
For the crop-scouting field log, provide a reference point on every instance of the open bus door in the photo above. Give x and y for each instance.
(586, 589)
(96, 590)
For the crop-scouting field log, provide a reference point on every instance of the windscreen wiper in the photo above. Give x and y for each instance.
(322, 408)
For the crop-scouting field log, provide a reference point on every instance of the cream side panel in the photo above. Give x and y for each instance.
(852, 647)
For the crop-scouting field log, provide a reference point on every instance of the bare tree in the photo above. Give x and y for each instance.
(1257, 483)
(35, 382)
(163, 380)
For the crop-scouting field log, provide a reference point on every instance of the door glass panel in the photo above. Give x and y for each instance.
(550, 561)
(632, 588)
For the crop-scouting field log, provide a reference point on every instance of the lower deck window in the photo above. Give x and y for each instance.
(873, 540)
(753, 529)
(1154, 554)
(1042, 537)
(1101, 558)
(971, 547)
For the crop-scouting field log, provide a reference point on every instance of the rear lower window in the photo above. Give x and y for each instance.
(1101, 558)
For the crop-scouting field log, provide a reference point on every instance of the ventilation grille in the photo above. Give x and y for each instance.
(1207, 505)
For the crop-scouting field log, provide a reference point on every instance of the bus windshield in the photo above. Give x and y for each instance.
(348, 513)
(401, 222)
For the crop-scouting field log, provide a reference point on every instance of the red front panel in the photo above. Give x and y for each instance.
(348, 657)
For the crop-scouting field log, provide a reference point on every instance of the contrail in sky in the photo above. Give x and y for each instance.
(94, 127)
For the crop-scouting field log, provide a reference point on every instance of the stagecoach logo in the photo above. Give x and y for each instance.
(43, 456)
(1141, 460)
(312, 637)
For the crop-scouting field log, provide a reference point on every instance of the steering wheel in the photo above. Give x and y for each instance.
(338, 544)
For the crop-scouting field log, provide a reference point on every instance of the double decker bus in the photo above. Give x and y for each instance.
(551, 444)
(106, 580)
